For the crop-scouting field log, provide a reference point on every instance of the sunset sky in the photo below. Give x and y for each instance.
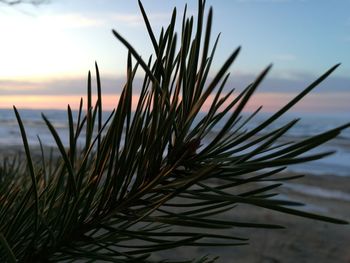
(46, 51)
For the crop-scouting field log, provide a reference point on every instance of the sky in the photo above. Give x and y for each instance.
(47, 50)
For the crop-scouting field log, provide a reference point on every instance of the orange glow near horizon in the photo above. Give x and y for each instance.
(270, 101)
(59, 102)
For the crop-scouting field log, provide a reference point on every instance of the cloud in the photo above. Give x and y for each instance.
(292, 83)
(70, 86)
(70, 20)
(332, 95)
(47, 22)
(136, 20)
(19, 86)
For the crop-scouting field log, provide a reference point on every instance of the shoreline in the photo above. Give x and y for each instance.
(303, 240)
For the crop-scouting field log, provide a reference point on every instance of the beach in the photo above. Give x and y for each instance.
(325, 190)
(303, 240)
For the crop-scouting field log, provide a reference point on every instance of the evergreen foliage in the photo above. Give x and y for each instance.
(143, 173)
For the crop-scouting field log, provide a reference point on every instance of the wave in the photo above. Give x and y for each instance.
(308, 125)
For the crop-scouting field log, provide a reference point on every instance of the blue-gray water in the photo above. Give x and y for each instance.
(310, 124)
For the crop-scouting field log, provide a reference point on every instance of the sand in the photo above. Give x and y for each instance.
(303, 240)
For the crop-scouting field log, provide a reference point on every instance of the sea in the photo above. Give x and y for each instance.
(310, 124)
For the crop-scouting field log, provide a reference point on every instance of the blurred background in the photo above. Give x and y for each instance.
(47, 49)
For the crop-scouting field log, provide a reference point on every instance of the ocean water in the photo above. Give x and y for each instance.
(310, 124)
